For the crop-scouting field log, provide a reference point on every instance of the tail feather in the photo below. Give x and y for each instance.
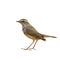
(49, 36)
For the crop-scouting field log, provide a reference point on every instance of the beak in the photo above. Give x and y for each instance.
(17, 21)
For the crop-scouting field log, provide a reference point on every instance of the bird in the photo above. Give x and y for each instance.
(32, 33)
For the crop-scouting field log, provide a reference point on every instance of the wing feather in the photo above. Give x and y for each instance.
(33, 32)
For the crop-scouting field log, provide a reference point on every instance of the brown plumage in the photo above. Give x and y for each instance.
(32, 33)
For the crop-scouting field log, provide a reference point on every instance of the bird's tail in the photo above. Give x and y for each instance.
(49, 36)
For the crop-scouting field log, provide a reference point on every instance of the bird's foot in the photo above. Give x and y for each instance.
(24, 48)
(33, 48)
(28, 48)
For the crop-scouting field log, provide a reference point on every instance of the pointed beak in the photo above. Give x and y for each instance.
(17, 21)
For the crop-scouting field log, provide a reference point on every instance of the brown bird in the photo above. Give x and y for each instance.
(32, 33)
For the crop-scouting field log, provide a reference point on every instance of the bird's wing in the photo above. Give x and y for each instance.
(32, 31)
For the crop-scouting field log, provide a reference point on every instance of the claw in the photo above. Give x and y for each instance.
(33, 48)
(24, 49)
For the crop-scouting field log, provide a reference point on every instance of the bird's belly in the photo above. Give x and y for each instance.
(31, 37)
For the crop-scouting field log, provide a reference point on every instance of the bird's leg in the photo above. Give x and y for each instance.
(29, 45)
(34, 44)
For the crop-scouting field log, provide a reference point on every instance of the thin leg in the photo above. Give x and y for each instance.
(34, 44)
(29, 45)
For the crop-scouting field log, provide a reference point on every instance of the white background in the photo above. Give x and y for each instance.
(44, 15)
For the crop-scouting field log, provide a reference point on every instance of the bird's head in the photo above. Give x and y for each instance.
(23, 21)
